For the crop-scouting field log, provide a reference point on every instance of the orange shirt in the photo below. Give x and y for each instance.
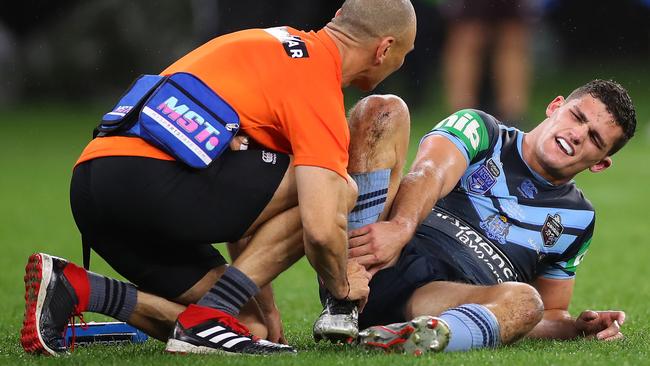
(286, 90)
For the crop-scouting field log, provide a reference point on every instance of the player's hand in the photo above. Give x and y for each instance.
(603, 325)
(273, 323)
(358, 278)
(377, 246)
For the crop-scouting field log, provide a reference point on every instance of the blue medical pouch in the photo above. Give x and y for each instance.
(178, 114)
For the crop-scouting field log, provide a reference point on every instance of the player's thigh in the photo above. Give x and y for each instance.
(436, 297)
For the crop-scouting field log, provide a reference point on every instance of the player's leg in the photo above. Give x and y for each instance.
(515, 307)
(379, 134)
(453, 316)
(379, 138)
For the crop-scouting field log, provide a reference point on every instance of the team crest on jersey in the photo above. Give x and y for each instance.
(294, 46)
(483, 178)
(496, 227)
(527, 189)
(552, 230)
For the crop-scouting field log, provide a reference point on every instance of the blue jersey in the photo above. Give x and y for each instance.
(506, 221)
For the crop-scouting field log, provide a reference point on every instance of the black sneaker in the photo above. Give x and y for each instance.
(201, 329)
(50, 301)
(339, 321)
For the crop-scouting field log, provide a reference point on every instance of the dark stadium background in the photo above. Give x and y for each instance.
(87, 51)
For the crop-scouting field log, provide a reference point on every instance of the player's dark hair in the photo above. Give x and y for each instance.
(618, 104)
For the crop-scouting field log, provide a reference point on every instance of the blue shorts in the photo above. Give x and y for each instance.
(430, 256)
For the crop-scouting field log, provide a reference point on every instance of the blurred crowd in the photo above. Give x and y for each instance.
(485, 52)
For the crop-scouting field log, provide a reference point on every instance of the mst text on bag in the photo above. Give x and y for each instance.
(177, 113)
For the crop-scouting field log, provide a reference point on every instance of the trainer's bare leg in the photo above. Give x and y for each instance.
(156, 315)
(517, 306)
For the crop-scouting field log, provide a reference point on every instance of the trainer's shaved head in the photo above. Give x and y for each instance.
(365, 19)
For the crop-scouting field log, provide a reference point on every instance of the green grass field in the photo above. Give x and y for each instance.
(39, 144)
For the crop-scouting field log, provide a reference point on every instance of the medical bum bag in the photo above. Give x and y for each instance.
(177, 113)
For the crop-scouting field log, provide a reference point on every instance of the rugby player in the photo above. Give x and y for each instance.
(487, 229)
(153, 219)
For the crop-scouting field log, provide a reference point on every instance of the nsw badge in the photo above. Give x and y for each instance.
(483, 178)
(552, 230)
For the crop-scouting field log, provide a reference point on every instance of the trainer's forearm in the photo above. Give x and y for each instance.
(323, 204)
(556, 324)
(329, 259)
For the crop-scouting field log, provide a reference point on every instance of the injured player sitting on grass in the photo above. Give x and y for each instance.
(486, 232)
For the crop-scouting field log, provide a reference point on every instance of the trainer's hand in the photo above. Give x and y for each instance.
(377, 246)
(603, 325)
(239, 142)
(274, 327)
(359, 279)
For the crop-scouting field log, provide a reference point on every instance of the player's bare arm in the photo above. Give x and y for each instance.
(437, 168)
(557, 323)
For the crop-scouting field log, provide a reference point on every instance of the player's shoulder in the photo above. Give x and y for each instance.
(575, 198)
(475, 130)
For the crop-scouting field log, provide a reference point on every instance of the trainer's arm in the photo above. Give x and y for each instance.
(322, 197)
(437, 167)
(557, 323)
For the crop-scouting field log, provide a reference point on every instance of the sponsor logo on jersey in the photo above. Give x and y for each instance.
(269, 157)
(468, 126)
(483, 178)
(552, 230)
(527, 189)
(294, 46)
(483, 251)
(496, 227)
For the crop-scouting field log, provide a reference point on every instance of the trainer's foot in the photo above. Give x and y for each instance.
(420, 335)
(339, 321)
(201, 329)
(50, 301)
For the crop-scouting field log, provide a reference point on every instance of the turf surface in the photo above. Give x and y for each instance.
(39, 144)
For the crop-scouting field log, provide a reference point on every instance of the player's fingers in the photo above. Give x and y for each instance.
(359, 232)
(609, 332)
(357, 252)
(615, 315)
(358, 241)
(615, 337)
(367, 260)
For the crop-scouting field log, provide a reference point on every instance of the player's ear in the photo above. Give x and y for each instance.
(382, 49)
(554, 105)
(601, 165)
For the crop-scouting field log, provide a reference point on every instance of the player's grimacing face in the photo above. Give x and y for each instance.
(578, 135)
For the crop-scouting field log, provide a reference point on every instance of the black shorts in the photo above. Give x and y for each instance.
(155, 221)
(430, 256)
